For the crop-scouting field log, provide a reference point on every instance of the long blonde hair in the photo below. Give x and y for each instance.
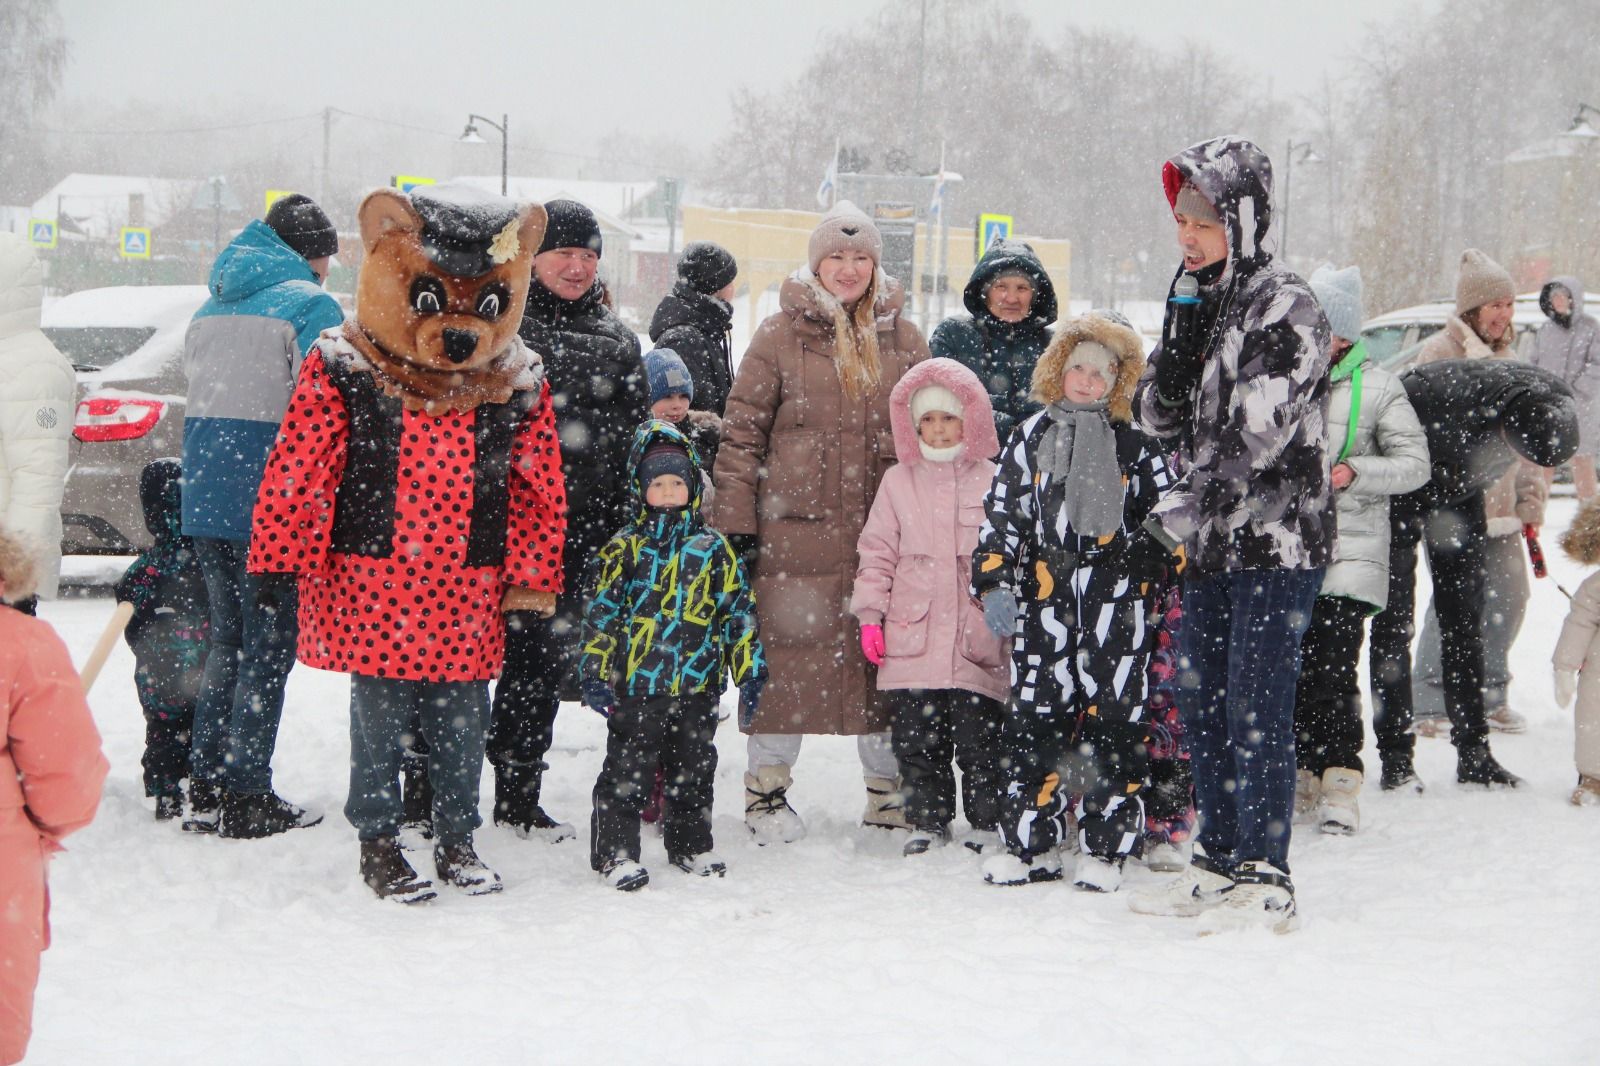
(855, 339)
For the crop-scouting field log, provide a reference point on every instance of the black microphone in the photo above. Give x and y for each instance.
(1185, 310)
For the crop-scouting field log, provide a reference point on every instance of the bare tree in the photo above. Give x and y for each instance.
(33, 56)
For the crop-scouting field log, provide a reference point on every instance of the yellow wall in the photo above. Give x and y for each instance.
(769, 245)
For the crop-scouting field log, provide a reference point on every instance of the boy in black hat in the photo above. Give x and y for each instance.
(694, 320)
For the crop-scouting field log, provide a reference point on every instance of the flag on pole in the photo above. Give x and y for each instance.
(828, 191)
(936, 205)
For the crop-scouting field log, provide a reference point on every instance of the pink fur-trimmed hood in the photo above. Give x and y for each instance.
(977, 415)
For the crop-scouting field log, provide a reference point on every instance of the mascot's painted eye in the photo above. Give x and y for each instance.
(427, 295)
(492, 300)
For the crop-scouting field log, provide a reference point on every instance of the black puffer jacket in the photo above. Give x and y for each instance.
(696, 327)
(1480, 414)
(598, 391)
(1002, 354)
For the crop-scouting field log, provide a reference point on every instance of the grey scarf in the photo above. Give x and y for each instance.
(1079, 452)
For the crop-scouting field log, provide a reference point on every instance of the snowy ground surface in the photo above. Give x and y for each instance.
(1456, 928)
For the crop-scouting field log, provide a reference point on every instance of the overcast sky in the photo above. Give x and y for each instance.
(576, 70)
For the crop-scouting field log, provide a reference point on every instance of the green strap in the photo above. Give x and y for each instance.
(1355, 414)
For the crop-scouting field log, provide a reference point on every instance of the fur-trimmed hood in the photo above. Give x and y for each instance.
(1581, 541)
(810, 306)
(1123, 342)
(977, 416)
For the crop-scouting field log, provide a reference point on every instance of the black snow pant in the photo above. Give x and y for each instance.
(932, 727)
(540, 653)
(1327, 697)
(677, 733)
(1453, 533)
(1076, 722)
(168, 686)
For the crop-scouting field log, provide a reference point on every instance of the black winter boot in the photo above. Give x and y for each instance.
(516, 805)
(253, 815)
(205, 806)
(1399, 775)
(1476, 766)
(168, 807)
(416, 798)
(386, 872)
(458, 866)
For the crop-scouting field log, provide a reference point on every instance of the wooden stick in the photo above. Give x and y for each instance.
(108, 640)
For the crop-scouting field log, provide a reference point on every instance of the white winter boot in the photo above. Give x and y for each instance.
(766, 807)
(1203, 885)
(884, 805)
(1167, 857)
(1262, 897)
(982, 841)
(1009, 869)
(1094, 873)
(1340, 809)
(1306, 794)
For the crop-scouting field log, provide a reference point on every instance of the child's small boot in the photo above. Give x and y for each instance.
(766, 807)
(625, 875)
(386, 872)
(885, 805)
(1013, 869)
(1587, 794)
(169, 806)
(1339, 811)
(205, 806)
(1098, 873)
(922, 841)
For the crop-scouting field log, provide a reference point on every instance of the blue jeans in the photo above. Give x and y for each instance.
(241, 696)
(1241, 657)
(453, 716)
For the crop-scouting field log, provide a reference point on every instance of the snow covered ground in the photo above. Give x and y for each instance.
(1456, 928)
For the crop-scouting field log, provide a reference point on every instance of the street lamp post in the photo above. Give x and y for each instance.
(1580, 126)
(470, 136)
(1301, 152)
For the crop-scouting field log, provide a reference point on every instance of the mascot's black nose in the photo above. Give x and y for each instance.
(459, 344)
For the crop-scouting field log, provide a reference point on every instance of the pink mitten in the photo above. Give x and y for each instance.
(872, 644)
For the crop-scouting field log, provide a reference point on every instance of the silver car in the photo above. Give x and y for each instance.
(126, 344)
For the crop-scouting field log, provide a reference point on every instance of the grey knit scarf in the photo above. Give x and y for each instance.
(1079, 452)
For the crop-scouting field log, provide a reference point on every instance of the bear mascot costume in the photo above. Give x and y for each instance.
(415, 493)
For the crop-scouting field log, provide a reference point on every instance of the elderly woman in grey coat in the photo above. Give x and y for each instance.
(1378, 449)
(1568, 345)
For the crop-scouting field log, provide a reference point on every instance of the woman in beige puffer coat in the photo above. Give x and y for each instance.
(806, 439)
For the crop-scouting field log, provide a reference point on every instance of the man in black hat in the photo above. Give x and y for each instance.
(597, 384)
(694, 320)
(241, 355)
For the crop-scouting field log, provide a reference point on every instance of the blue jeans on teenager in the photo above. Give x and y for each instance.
(1241, 657)
(453, 716)
(241, 696)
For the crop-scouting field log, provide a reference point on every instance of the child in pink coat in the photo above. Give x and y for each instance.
(944, 673)
(51, 770)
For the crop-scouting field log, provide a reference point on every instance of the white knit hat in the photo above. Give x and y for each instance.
(934, 398)
(1339, 293)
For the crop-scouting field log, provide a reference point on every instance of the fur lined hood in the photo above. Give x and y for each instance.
(1581, 541)
(19, 566)
(977, 416)
(1123, 342)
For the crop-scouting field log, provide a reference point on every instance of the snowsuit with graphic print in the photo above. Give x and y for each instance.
(1076, 724)
(670, 614)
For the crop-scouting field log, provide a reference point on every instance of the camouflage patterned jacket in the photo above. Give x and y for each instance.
(1256, 493)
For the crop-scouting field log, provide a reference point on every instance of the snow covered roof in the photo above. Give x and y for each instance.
(97, 204)
(609, 200)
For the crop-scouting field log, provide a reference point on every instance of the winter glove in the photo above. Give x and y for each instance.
(1000, 611)
(274, 591)
(517, 598)
(1147, 561)
(750, 700)
(1177, 374)
(598, 697)
(1566, 686)
(872, 644)
(746, 547)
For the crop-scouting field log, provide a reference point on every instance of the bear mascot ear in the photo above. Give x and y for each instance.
(387, 210)
(531, 232)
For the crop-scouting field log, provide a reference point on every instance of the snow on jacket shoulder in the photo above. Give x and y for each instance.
(242, 355)
(37, 393)
(1256, 494)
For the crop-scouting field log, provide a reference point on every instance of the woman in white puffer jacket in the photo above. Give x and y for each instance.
(37, 388)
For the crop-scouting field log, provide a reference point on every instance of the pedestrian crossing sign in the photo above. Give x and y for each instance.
(135, 242)
(42, 232)
(993, 228)
(407, 182)
(274, 195)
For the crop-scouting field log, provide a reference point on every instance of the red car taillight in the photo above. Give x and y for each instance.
(103, 418)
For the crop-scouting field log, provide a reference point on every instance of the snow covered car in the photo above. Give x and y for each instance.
(1393, 339)
(126, 344)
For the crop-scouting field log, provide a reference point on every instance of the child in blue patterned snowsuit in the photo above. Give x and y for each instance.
(669, 612)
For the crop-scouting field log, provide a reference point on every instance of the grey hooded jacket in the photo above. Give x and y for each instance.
(1572, 352)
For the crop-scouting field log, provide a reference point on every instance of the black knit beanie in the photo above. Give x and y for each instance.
(707, 267)
(303, 226)
(571, 225)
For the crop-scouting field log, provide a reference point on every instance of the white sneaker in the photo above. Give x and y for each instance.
(1167, 857)
(767, 813)
(625, 875)
(705, 864)
(1009, 869)
(1200, 887)
(1307, 789)
(1339, 811)
(982, 841)
(1096, 874)
(1262, 898)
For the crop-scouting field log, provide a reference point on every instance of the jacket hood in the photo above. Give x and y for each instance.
(651, 432)
(21, 286)
(977, 416)
(1011, 255)
(253, 260)
(1572, 285)
(1236, 177)
(1124, 344)
(161, 496)
(685, 306)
